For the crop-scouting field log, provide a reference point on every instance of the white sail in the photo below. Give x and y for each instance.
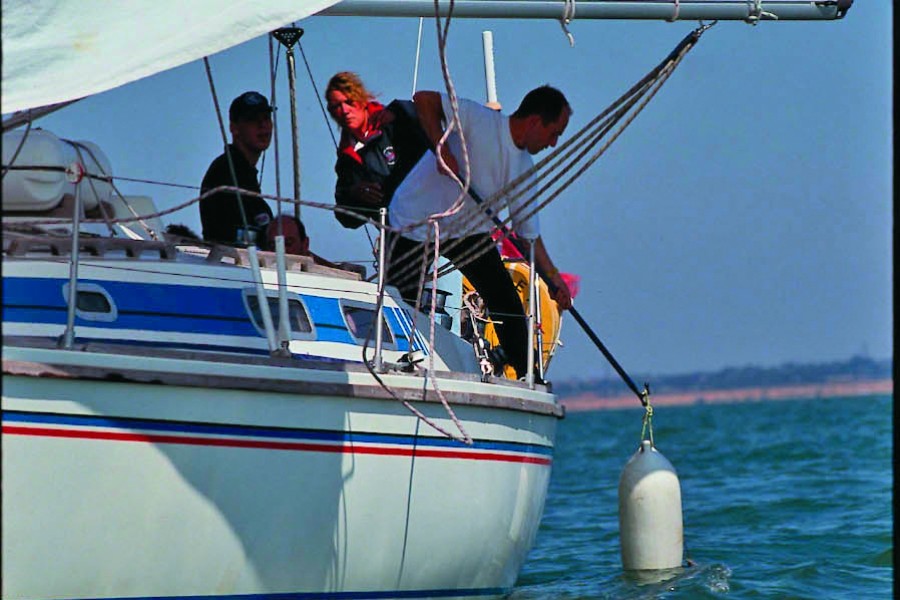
(59, 50)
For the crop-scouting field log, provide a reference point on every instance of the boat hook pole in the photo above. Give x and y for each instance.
(287, 37)
(644, 395)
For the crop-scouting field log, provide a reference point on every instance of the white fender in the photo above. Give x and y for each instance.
(651, 531)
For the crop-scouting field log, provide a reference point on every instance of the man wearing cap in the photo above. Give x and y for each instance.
(250, 119)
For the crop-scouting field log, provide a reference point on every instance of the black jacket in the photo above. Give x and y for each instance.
(219, 213)
(385, 159)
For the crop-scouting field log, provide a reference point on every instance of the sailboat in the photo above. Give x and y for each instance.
(185, 419)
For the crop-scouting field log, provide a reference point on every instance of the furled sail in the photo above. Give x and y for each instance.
(60, 50)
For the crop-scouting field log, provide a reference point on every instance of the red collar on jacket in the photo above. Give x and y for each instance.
(348, 142)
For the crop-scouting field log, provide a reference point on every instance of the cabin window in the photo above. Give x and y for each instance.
(298, 316)
(360, 318)
(92, 302)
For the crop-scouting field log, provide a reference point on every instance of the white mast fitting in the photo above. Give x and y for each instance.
(687, 10)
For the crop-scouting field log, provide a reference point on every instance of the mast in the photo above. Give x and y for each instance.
(663, 10)
(287, 37)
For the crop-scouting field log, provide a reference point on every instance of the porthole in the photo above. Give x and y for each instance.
(298, 316)
(92, 302)
(360, 319)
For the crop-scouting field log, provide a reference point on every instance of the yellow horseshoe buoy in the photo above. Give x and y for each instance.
(550, 318)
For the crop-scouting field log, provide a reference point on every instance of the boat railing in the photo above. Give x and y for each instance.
(16, 244)
(21, 245)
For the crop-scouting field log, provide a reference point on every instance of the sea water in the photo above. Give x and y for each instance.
(781, 499)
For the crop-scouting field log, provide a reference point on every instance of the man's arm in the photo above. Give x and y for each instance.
(431, 116)
(562, 295)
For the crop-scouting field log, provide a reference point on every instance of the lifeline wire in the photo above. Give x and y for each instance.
(212, 89)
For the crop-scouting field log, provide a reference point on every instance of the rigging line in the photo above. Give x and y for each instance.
(651, 91)
(115, 188)
(454, 123)
(557, 157)
(597, 137)
(650, 76)
(660, 73)
(466, 439)
(474, 214)
(652, 88)
(318, 96)
(273, 75)
(273, 66)
(472, 253)
(418, 50)
(100, 202)
(642, 396)
(603, 149)
(153, 182)
(15, 155)
(237, 195)
(371, 244)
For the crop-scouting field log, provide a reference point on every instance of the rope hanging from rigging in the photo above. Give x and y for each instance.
(561, 167)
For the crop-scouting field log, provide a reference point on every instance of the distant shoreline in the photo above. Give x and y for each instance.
(589, 401)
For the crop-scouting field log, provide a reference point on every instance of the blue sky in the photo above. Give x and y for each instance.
(745, 217)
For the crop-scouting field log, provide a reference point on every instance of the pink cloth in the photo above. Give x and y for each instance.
(508, 250)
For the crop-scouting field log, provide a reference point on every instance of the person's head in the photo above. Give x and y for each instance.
(250, 117)
(295, 239)
(543, 115)
(347, 98)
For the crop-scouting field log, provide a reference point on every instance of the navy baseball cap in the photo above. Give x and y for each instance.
(248, 105)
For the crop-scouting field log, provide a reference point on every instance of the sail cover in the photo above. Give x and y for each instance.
(60, 50)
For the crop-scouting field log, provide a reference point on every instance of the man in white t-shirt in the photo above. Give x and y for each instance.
(499, 150)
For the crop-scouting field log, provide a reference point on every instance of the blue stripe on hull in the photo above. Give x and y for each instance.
(176, 308)
(12, 416)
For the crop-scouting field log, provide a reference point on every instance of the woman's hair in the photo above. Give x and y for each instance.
(349, 84)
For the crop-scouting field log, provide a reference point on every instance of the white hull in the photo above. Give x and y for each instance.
(164, 490)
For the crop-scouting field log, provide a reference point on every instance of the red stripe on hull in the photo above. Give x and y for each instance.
(267, 445)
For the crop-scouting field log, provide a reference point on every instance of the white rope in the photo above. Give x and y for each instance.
(437, 242)
(674, 16)
(465, 437)
(755, 13)
(568, 15)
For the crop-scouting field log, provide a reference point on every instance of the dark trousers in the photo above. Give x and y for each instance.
(486, 274)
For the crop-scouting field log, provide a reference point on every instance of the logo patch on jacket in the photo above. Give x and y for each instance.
(389, 155)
